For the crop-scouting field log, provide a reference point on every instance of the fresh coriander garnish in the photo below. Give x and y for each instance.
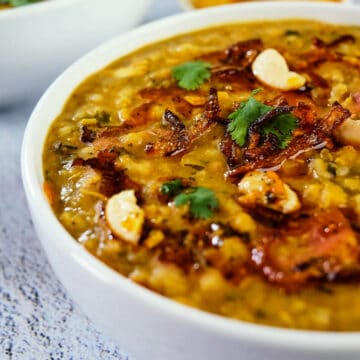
(171, 188)
(249, 111)
(244, 116)
(202, 201)
(292, 33)
(191, 75)
(282, 127)
(102, 118)
(15, 3)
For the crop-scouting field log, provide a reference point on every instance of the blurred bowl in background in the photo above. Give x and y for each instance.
(38, 41)
(194, 4)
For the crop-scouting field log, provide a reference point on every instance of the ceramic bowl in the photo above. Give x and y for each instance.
(39, 41)
(142, 322)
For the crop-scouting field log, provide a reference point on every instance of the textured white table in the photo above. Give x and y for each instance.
(38, 320)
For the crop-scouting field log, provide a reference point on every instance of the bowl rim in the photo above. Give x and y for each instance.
(32, 175)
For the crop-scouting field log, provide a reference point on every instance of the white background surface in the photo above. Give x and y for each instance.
(37, 318)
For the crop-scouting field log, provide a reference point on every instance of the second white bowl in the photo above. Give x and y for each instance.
(39, 41)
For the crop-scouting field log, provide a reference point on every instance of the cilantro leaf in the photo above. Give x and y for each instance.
(202, 202)
(249, 111)
(15, 3)
(282, 126)
(171, 188)
(191, 75)
(243, 117)
(102, 118)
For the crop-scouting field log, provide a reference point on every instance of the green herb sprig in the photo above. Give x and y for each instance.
(191, 75)
(249, 111)
(16, 3)
(171, 188)
(202, 201)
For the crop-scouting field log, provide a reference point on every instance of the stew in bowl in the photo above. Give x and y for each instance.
(220, 168)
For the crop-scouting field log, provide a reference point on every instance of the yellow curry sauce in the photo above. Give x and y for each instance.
(153, 179)
(206, 3)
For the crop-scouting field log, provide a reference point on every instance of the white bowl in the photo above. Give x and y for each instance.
(39, 41)
(142, 322)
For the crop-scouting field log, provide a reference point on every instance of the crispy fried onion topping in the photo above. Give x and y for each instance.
(243, 53)
(321, 51)
(262, 152)
(234, 64)
(113, 178)
(175, 138)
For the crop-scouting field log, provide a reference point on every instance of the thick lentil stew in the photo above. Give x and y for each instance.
(221, 169)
